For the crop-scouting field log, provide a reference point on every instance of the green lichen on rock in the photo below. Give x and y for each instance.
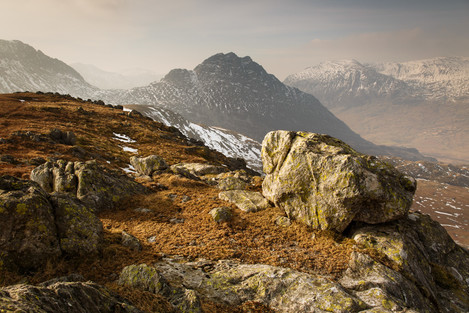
(79, 229)
(148, 165)
(143, 277)
(221, 214)
(248, 201)
(323, 182)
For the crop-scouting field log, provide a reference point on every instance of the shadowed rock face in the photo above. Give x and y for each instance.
(324, 183)
(62, 296)
(36, 227)
(28, 235)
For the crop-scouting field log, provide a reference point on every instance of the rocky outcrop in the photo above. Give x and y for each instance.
(36, 227)
(62, 297)
(95, 186)
(248, 201)
(324, 183)
(231, 284)
(28, 235)
(432, 270)
(63, 137)
(148, 165)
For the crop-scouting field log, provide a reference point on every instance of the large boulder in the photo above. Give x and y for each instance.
(324, 183)
(62, 297)
(28, 236)
(148, 165)
(97, 187)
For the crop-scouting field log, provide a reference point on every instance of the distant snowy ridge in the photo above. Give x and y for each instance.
(349, 82)
(230, 143)
(443, 78)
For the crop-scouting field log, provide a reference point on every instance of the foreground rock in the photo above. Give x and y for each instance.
(433, 271)
(36, 227)
(420, 269)
(62, 297)
(324, 183)
(28, 236)
(96, 186)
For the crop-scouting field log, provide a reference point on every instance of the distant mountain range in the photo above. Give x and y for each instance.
(236, 93)
(110, 80)
(422, 104)
(23, 68)
(225, 92)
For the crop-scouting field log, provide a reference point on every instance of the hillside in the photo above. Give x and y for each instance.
(421, 104)
(162, 248)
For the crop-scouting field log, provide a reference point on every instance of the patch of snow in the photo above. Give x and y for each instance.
(123, 138)
(129, 169)
(129, 149)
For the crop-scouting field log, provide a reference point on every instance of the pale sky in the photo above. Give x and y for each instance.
(283, 36)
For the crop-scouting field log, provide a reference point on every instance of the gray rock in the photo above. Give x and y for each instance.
(131, 241)
(148, 165)
(79, 230)
(324, 183)
(62, 297)
(198, 169)
(28, 236)
(229, 283)
(248, 201)
(222, 214)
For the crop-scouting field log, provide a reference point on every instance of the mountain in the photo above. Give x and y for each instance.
(421, 104)
(23, 68)
(347, 83)
(230, 143)
(444, 79)
(237, 93)
(109, 80)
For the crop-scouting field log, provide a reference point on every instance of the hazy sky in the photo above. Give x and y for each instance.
(283, 36)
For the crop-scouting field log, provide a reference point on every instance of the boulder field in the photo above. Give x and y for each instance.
(403, 261)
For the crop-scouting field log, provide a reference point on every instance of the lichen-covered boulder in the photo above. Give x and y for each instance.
(426, 255)
(324, 183)
(148, 165)
(28, 236)
(79, 230)
(62, 297)
(97, 187)
(248, 201)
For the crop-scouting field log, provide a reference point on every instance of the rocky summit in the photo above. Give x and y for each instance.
(129, 215)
